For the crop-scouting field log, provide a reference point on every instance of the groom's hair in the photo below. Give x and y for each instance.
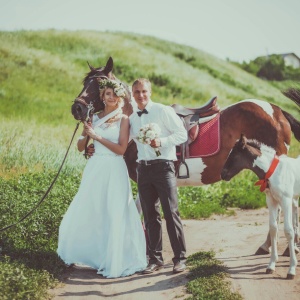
(142, 81)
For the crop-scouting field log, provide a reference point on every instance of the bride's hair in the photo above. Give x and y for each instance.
(120, 99)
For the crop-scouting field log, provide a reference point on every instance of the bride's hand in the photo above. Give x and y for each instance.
(86, 126)
(89, 130)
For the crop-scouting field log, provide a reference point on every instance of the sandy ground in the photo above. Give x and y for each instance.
(235, 239)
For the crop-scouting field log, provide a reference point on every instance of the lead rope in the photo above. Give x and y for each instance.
(49, 189)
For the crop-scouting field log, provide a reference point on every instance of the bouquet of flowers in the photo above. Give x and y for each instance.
(148, 133)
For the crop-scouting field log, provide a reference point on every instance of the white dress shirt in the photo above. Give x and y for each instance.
(172, 131)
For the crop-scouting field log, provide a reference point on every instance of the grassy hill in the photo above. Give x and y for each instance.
(41, 74)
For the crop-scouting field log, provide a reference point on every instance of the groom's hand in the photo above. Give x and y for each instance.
(155, 143)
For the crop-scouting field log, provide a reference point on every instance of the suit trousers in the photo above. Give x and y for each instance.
(158, 181)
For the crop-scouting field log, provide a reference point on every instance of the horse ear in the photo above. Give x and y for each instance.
(109, 65)
(91, 67)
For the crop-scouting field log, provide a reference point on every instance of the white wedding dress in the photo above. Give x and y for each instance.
(102, 228)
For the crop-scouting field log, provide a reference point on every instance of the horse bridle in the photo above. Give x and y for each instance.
(90, 106)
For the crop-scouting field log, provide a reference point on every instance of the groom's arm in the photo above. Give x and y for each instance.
(175, 127)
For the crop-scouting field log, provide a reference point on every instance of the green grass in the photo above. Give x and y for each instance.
(208, 278)
(41, 74)
(21, 282)
(33, 147)
(29, 265)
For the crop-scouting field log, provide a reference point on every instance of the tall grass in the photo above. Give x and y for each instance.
(33, 147)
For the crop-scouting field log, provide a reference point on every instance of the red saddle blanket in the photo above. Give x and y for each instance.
(207, 142)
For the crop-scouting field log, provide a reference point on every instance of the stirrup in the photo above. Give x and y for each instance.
(187, 171)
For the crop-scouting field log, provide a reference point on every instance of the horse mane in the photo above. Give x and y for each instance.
(261, 147)
(254, 143)
(94, 72)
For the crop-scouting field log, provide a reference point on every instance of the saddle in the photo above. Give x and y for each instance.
(191, 118)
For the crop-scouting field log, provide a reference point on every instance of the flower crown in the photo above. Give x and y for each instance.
(117, 87)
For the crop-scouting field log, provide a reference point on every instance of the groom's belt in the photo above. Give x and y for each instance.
(152, 162)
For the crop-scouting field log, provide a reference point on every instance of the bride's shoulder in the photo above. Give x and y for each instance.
(124, 120)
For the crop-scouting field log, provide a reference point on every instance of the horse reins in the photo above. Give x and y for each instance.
(90, 108)
(49, 189)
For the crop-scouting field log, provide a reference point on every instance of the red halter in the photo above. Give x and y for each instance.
(264, 182)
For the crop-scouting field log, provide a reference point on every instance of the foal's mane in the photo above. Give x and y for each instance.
(254, 143)
(262, 148)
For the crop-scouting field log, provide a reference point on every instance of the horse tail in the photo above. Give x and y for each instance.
(295, 125)
(294, 95)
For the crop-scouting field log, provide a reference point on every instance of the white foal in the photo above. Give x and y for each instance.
(265, 248)
(284, 189)
(281, 182)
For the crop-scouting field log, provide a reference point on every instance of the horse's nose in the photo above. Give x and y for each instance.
(76, 108)
(76, 111)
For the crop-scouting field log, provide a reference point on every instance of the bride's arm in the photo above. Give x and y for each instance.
(121, 146)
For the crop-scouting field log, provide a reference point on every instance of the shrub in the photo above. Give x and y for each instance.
(272, 68)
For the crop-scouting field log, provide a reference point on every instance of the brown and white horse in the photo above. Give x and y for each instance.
(257, 119)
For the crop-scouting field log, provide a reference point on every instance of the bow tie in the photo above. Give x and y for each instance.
(144, 111)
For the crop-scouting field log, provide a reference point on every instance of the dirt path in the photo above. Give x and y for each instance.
(234, 239)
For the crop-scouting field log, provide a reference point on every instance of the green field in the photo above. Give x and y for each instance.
(41, 74)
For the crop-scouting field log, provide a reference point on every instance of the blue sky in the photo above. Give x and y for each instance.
(235, 29)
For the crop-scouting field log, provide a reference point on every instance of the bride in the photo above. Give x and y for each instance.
(102, 228)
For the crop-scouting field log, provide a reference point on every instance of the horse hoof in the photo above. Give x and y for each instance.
(286, 252)
(290, 276)
(261, 251)
(269, 271)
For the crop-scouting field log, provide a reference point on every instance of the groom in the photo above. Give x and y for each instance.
(156, 175)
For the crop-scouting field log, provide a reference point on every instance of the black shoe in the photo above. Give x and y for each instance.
(179, 267)
(151, 268)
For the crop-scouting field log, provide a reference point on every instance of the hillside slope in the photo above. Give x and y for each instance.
(41, 72)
